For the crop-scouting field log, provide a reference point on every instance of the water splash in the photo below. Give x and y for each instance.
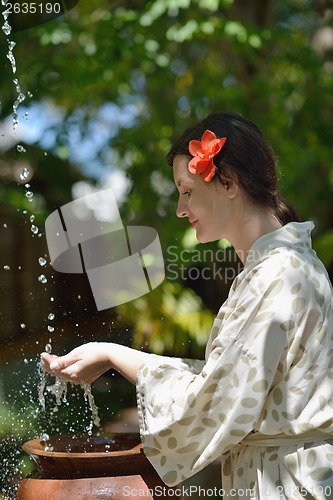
(38, 418)
(88, 396)
(42, 385)
(59, 390)
(48, 347)
(7, 29)
(20, 98)
(29, 195)
(24, 174)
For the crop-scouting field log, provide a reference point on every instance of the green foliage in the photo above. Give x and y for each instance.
(324, 248)
(171, 321)
(166, 64)
(160, 65)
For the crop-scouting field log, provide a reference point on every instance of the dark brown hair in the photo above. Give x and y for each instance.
(246, 157)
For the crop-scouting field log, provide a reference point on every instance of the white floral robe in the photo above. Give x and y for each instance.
(262, 401)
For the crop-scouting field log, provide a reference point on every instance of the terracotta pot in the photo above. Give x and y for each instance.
(87, 467)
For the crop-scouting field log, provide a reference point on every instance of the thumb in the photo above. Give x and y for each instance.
(59, 363)
(56, 362)
(48, 358)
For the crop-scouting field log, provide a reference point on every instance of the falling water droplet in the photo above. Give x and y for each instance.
(41, 261)
(20, 96)
(34, 229)
(50, 328)
(6, 28)
(5, 226)
(24, 174)
(21, 149)
(11, 57)
(88, 396)
(48, 348)
(32, 218)
(42, 278)
(6, 268)
(29, 195)
(44, 438)
(22, 325)
(51, 316)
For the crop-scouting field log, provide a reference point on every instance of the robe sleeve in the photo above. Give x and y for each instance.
(189, 418)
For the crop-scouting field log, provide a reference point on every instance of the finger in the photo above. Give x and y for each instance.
(59, 363)
(47, 360)
(73, 374)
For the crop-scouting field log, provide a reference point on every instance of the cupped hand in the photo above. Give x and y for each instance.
(83, 364)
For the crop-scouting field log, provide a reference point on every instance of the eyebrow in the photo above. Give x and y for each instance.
(181, 183)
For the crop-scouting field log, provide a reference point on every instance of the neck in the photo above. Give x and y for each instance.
(252, 227)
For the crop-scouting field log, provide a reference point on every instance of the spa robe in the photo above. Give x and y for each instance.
(262, 400)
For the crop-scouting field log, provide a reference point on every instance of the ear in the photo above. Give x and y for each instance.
(230, 184)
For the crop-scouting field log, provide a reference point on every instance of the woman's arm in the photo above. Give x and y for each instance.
(86, 363)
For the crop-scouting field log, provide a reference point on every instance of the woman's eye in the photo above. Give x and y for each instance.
(186, 193)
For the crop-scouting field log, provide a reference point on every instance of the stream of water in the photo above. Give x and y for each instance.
(6, 28)
(51, 394)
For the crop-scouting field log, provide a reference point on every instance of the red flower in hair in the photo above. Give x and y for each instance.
(204, 152)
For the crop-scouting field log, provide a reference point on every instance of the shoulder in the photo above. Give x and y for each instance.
(285, 265)
(288, 259)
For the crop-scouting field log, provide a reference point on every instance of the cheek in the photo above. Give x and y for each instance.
(205, 208)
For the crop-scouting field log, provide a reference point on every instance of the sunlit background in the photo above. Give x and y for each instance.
(107, 87)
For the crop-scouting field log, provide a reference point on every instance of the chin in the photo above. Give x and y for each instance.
(204, 238)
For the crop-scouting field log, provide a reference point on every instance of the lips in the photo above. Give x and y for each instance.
(193, 223)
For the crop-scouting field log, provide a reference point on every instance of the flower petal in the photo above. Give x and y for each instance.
(207, 137)
(194, 147)
(220, 144)
(209, 173)
(215, 147)
(203, 153)
(197, 165)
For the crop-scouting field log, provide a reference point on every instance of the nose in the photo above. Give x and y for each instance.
(182, 210)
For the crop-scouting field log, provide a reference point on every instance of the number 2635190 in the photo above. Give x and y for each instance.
(33, 8)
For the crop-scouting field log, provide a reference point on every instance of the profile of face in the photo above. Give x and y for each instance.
(210, 207)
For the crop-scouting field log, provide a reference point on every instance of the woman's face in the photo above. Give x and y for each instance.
(208, 205)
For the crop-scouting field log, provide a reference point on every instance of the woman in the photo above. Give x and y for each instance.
(262, 400)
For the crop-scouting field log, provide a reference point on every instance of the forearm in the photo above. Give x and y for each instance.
(127, 360)
(89, 361)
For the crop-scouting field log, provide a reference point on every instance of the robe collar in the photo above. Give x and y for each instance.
(291, 235)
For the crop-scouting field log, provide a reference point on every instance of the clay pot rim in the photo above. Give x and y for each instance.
(34, 447)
